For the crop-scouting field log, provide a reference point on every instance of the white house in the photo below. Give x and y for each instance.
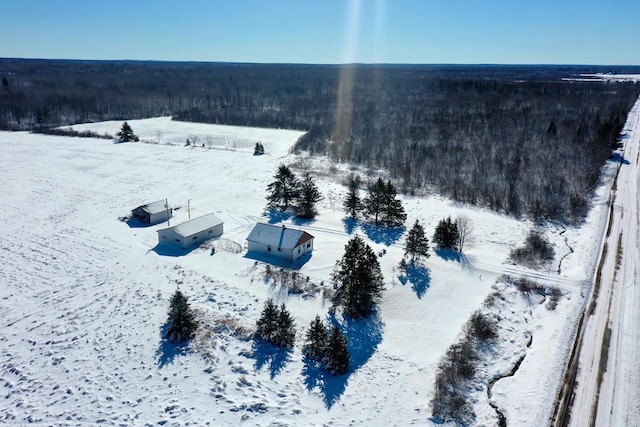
(286, 243)
(152, 213)
(192, 232)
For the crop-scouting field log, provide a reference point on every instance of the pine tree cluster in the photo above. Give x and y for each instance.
(327, 347)
(259, 149)
(381, 204)
(182, 324)
(287, 191)
(276, 325)
(126, 133)
(446, 235)
(357, 279)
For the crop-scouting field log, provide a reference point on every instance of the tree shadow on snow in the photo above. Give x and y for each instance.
(350, 225)
(617, 157)
(276, 215)
(384, 235)
(420, 278)
(301, 222)
(167, 351)
(449, 254)
(275, 357)
(364, 336)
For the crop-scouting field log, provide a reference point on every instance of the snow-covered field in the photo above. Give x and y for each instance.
(84, 296)
(603, 77)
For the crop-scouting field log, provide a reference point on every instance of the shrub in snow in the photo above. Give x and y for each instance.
(182, 324)
(536, 249)
(481, 327)
(457, 370)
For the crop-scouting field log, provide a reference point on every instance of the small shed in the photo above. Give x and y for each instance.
(152, 213)
(288, 244)
(192, 232)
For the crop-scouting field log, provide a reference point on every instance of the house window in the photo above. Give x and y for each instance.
(298, 250)
(268, 248)
(210, 231)
(279, 249)
(164, 237)
(178, 240)
(195, 237)
(309, 244)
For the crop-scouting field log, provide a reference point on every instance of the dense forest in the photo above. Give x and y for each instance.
(518, 139)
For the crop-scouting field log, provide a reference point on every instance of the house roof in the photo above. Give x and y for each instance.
(278, 236)
(154, 208)
(196, 225)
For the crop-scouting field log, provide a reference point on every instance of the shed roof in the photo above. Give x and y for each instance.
(196, 225)
(154, 207)
(279, 236)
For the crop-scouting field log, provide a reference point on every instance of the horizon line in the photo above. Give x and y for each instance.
(479, 64)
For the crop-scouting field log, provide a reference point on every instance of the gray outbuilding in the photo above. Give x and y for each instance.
(192, 232)
(153, 213)
(288, 244)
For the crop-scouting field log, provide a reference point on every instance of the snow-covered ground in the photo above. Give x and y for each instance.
(85, 296)
(604, 77)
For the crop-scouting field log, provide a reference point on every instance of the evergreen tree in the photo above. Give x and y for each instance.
(417, 244)
(5, 83)
(285, 332)
(126, 133)
(374, 203)
(182, 324)
(357, 279)
(267, 325)
(316, 340)
(352, 204)
(308, 197)
(336, 359)
(393, 214)
(446, 234)
(284, 190)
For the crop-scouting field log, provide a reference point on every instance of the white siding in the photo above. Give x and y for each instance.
(170, 236)
(265, 249)
(159, 217)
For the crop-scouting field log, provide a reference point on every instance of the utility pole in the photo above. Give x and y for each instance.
(166, 206)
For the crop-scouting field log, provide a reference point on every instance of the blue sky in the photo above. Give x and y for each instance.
(326, 31)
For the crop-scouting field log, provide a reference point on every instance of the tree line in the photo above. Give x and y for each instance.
(517, 139)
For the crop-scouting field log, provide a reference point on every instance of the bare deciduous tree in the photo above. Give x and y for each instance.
(465, 230)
